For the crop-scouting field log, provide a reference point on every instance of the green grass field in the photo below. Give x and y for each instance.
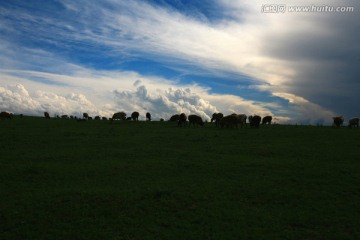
(63, 179)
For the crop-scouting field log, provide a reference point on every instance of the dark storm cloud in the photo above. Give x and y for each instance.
(326, 59)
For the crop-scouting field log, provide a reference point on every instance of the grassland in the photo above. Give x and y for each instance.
(62, 179)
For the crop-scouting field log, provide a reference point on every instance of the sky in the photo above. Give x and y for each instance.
(172, 56)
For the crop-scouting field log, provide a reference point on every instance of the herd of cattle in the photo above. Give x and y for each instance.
(219, 119)
(229, 121)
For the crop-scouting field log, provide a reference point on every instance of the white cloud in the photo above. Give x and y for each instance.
(291, 97)
(17, 99)
(134, 92)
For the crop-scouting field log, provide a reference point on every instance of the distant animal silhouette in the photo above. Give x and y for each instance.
(338, 121)
(216, 117)
(354, 122)
(97, 118)
(229, 121)
(85, 115)
(254, 121)
(182, 119)
(174, 118)
(267, 120)
(46, 115)
(148, 116)
(241, 119)
(7, 115)
(135, 116)
(119, 116)
(64, 116)
(195, 120)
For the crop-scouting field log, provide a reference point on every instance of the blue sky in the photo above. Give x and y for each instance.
(69, 57)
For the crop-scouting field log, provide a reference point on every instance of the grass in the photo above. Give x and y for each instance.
(62, 179)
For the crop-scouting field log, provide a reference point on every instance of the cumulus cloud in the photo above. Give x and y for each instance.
(163, 103)
(161, 97)
(16, 98)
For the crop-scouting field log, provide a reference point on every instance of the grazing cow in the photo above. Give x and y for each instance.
(97, 118)
(267, 120)
(182, 119)
(338, 121)
(128, 118)
(354, 122)
(195, 120)
(64, 116)
(4, 115)
(104, 118)
(119, 116)
(46, 115)
(229, 121)
(241, 118)
(174, 118)
(217, 117)
(85, 115)
(148, 116)
(254, 121)
(161, 120)
(135, 116)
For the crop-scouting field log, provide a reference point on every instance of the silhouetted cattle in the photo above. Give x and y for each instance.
(148, 116)
(174, 118)
(97, 118)
(7, 115)
(241, 118)
(354, 122)
(104, 118)
(338, 121)
(128, 118)
(182, 119)
(135, 116)
(46, 115)
(64, 116)
(229, 121)
(85, 115)
(267, 120)
(161, 119)
(216, 117)
(195, 120)
(254, 121)
(119, 116)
